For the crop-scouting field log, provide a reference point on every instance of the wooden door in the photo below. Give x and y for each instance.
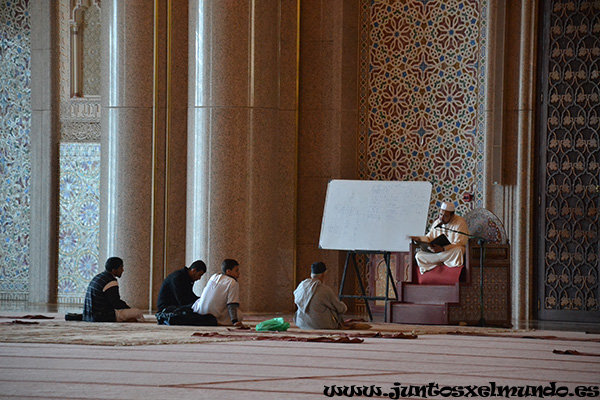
(567, 223)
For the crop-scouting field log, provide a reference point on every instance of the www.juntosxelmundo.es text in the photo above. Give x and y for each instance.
(397, 391)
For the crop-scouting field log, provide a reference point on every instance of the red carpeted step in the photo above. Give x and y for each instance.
(414, 313)
(430, 294)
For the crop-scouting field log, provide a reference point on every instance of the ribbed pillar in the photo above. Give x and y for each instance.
(242, 144)
(519, 131)
(140, 188)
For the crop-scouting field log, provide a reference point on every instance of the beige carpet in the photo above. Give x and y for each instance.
(31, 330)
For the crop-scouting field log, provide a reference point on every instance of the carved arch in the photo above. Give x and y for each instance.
(79, 15)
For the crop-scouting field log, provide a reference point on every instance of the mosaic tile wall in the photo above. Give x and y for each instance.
(15, 168)
(78, 236)
(422, 69)
(79, 225)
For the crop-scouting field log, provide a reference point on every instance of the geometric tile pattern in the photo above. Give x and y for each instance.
(421, 88)
(571, 203)
(78, 238)
(419, 101)
(15, 165)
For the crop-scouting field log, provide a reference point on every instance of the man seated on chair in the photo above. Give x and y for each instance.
(318, 306)
(451, 255)
(102, 300)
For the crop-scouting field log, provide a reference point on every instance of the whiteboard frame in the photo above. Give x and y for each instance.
(373, 216)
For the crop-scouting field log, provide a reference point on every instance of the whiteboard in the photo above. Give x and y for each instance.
(373, 215)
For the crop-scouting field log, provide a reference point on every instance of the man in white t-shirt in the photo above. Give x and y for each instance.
(221, 295)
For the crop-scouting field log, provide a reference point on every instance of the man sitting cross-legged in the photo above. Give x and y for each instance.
(454, 227)
(176, 296)
(318, 306)
(102, 300)
(221, 295)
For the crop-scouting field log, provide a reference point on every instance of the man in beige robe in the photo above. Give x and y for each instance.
(318, 306)
(451, 255)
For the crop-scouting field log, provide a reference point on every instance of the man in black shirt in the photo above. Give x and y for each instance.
(102, 300)
(176, 297)
(176, 289)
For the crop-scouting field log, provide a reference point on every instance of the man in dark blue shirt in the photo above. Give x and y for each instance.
(102, 300)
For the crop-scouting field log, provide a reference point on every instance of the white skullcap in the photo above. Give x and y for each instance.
(447, 207)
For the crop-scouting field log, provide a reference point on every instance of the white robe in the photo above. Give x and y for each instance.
(453, 254)
(318, 306)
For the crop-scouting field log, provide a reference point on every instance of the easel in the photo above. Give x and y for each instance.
(373, 217)
(388, 278)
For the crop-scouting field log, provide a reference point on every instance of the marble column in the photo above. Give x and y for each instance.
(175, 172)
(44, 155)
(518, 146)
(141, 184)
(328, 124)
(242, 144)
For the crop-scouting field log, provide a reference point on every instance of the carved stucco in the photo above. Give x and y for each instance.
(76, 112)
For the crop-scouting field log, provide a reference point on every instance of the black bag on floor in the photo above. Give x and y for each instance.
(184, 315)
(73, 317)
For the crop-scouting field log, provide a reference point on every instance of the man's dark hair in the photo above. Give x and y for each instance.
(113, 263)
(198, 265)
(228, 264)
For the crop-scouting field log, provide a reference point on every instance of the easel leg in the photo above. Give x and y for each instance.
(344, 274)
